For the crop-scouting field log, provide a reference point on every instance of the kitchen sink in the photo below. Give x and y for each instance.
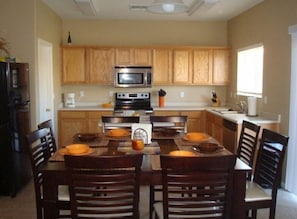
(227, 111)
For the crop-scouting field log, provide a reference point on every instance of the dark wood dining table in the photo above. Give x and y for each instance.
(55, 173)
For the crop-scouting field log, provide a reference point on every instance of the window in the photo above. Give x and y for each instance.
(250, 71)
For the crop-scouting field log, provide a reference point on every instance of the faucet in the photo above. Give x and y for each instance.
(242, 107)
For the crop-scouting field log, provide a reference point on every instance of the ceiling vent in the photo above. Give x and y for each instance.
(86, 7)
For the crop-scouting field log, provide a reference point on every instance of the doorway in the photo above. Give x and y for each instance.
(45, 94)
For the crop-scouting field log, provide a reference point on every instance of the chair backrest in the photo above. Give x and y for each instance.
(104, 186)
(268, 169)
(39, 154)
(174, 122)
(200, 186)
(50, 136)
(247, 143)
(112, 122)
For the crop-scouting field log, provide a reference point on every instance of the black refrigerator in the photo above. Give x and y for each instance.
(15, 169)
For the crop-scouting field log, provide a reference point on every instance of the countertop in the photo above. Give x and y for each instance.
(262, 118)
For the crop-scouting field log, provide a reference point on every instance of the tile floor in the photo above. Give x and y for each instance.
(23, 205)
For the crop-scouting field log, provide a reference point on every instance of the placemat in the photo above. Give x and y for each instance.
(96, 152)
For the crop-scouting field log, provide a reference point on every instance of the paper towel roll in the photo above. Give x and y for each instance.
(252, 106)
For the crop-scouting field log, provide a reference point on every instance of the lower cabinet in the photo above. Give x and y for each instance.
(72, 122)
(214, 126)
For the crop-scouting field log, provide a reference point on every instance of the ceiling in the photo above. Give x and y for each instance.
(208, 10)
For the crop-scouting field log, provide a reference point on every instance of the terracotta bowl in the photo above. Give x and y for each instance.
(196, 136)
(118, 132)
(77, 149)
(207, 147)
(182, 153)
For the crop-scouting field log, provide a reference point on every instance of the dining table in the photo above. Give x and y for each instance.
(55, 173)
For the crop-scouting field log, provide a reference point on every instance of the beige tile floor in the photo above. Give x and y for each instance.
(23, 205)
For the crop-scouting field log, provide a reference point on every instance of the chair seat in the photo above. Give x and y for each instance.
(254, 192)
(158, 206)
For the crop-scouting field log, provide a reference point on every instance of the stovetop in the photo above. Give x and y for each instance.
(133, 101)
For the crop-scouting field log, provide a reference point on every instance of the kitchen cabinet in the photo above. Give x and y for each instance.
(101, 63)
(211, 66)
(74, 65)
(134, 56)
(221, 66)
(72, 122)
(202, 66)
(214, 126)
(195, 120)
(162, 66)
(182, 66)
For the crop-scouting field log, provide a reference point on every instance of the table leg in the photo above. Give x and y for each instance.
(238, 209)
(50, 191)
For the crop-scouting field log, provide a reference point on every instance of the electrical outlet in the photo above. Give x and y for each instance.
(110, 93)
(81, 93)
(182, 94)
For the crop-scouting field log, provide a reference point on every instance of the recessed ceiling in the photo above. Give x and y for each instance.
(207, 10)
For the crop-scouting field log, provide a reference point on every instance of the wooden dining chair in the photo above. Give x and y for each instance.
(179, 123)
(196, 187)
(104, 186)
(261, 192)
(159, 123)
(247, 143)
(114, 122)
(50, 136)
(39, 153)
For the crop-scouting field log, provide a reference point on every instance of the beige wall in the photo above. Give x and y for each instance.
(143, 33)
(17, 26)
(267, 23)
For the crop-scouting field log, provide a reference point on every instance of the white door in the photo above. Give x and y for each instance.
(45, 95)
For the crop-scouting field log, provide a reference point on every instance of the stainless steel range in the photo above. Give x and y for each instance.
(129, 103)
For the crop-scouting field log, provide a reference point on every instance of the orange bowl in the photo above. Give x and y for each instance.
(118, 132)
(182, 153)
(207, 147)
(196, 136)
(75, 149)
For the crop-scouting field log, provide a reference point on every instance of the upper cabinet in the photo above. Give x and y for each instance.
(221, 66)
(87, 65)
(101, 63)
(211, 66)
(171, 65)
(74, 65)
(162, 66)
(202, 66)
(182, 66)
(134, 56)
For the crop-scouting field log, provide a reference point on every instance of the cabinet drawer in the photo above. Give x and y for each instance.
(71, 114)
(98, 114)
(192, 114)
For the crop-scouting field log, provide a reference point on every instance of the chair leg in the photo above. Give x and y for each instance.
(254, 213)
(152, 200)
(272, 212)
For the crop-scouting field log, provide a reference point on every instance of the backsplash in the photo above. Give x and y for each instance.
(175, 95)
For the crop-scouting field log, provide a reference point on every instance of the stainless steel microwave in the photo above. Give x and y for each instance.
(132, 76)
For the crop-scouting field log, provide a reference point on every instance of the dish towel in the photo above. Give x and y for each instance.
(144, 130)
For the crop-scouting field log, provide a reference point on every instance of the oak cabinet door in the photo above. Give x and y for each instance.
(221, 66)
(101, 63)
(162, 66)
(71, 123)
(134, 56)
(73, 65)
(202, 66)
(182, 66)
